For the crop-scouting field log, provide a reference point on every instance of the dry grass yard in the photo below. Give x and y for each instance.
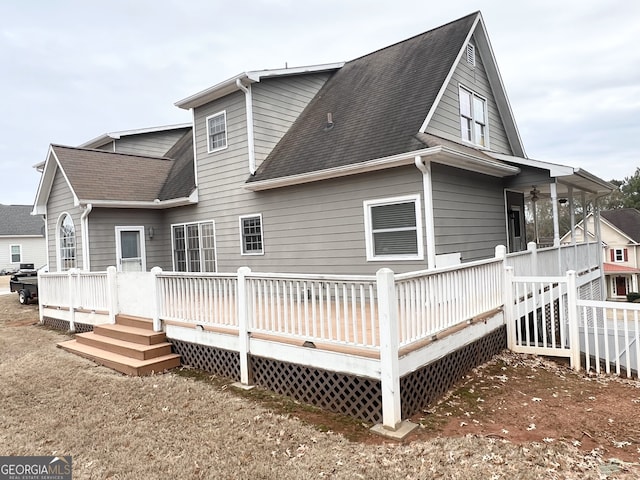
(189, 425)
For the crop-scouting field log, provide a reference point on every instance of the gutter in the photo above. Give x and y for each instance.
(425, 168)
(250, 139)
(84, 224)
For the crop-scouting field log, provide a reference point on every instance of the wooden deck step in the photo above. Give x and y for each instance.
(121, 347)
(133, 321)
(122, 363)
(141, 336)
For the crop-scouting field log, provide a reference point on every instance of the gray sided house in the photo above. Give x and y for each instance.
(408, 158)
(22, 238)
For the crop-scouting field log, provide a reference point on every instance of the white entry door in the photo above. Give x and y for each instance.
(130, 250)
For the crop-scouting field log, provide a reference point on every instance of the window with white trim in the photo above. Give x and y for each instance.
(393, 228)
(251, 235)
(194, 247)
(473, 117)
(619, 255)
(217, 131)
(15, 252)
(66, 243)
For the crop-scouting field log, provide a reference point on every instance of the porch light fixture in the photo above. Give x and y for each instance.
(152, 232)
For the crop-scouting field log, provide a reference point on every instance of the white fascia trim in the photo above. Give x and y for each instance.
(555, 169)
(117, 135)
(483, 166)
(46, 182)
(9, 237)
(229, 86)
(447, 80)
(153, 205)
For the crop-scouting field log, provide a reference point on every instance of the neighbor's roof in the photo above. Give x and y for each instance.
(378, 104)
(614, 268)
(627, 220)
(16, 220)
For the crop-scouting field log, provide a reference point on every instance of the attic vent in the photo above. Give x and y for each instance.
(471, 54)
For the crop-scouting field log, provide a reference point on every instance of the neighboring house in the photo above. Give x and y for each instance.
(620, 233)
(22, 237)
(408, 158)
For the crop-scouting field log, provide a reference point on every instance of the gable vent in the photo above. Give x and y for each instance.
(471, 54)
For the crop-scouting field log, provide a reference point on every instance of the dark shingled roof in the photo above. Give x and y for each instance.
(625, 219)
(17, 220)
(378, 103)
(100, 175)
(181, 180)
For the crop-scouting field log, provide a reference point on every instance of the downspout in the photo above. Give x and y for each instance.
(84, 225)
(425, 168)
(250, 139)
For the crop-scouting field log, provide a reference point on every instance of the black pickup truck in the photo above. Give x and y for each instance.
(25, 282)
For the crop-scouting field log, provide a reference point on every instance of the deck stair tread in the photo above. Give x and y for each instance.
(129, 346)
(123, 347)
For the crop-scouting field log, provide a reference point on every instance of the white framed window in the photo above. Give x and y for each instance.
(393, 229)
(619, 255)
(251, 242)
(66, 242)
(473, 117)
(15, 252)
(194, 247)
(217, 131)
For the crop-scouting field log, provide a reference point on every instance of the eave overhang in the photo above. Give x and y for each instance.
(156, 204)
(231, 85)
(438, 154)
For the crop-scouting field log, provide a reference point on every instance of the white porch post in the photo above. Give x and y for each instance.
(599, 259)
(112, 293)
(157, 300)
(572, 318)
(509, 317)
(533, 248)
(73, 285)
(243, 326)
(40, 303)
(554, 205)
(389, 368)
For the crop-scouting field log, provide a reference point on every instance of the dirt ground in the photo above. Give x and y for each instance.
(514, 417)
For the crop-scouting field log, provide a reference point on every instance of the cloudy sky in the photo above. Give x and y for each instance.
(73, 70)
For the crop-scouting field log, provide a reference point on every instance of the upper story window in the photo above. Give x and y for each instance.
(251, 235)
(66, 243)
(217, 131)
(393, 228)
(619, 255)
(473, 117)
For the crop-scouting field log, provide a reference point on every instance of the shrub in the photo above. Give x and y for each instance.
(633, 297)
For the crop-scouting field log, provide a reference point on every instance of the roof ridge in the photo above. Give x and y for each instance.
(97, 150)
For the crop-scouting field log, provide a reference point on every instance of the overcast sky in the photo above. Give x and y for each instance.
(73, 70)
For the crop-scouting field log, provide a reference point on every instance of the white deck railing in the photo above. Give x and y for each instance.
(202, 299)
(430, 302)
(320, 308)
(550, 261)
(74, 289)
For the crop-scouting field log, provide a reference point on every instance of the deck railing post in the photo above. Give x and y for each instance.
(41, 302)
(73, 294)
(533, 248)
(508, 307)
(157, 294)
(112, 293)
(389, 368)
(243, 326)
(572, 318)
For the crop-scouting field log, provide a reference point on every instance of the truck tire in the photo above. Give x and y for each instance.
(23, 297)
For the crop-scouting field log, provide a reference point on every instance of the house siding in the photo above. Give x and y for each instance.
(102, 236)
(276, 105)
(60, 201)
(446, 119)
(33, 250)
(469, 213)
(155, 144)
